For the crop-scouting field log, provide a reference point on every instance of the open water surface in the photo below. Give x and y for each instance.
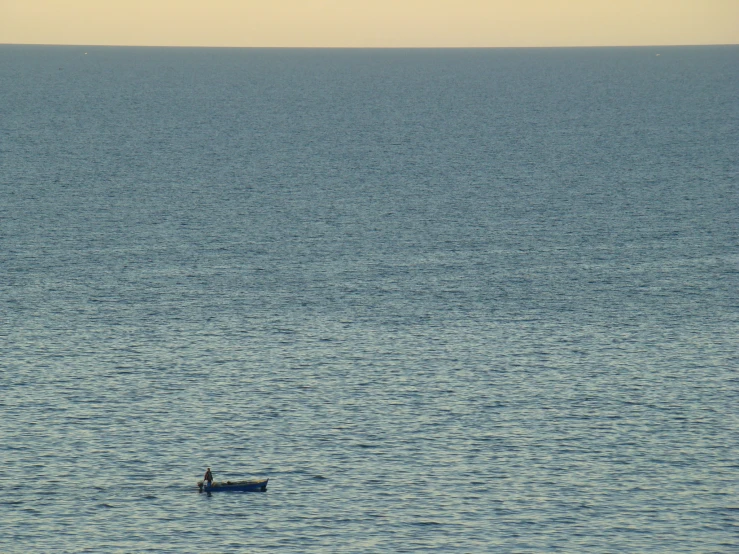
(447, 300)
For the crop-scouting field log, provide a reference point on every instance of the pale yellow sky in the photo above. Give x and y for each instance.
(369, 23)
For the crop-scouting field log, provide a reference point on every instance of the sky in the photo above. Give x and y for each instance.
(370, 23)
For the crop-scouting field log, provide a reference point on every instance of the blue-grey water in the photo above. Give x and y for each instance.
(446, 300)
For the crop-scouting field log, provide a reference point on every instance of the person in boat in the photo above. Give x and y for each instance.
(208, 477)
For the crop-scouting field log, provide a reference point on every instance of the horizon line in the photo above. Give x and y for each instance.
(91, 45)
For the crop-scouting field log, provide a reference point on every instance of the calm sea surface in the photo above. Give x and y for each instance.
(446, 300)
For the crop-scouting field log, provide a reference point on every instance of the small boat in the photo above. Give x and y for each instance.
(250, 485)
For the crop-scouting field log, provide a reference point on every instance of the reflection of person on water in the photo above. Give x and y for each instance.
(208, 477)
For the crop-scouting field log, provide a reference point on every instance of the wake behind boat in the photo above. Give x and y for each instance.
(249, 485)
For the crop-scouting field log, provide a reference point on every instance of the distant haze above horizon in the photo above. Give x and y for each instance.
(370, 23)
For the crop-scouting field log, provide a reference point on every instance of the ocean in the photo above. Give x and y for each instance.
(450, 300)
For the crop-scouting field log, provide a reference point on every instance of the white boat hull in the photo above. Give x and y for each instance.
(251, 485)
